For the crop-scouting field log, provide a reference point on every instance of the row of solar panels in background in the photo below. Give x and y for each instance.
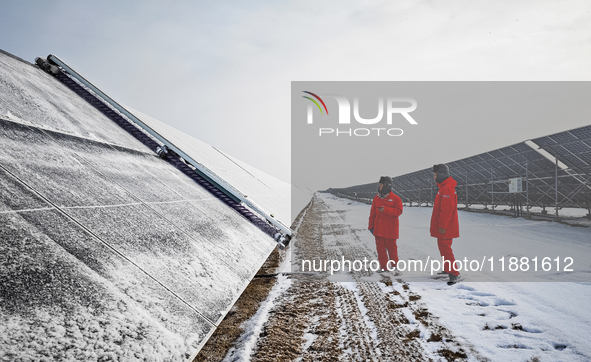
(572, 149)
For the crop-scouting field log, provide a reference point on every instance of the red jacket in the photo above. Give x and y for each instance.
(445, 211)
(385, 223)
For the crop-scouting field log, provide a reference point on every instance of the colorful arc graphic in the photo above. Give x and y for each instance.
(320, 99)
(316, 103)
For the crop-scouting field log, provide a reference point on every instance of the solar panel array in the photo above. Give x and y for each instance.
(484, 178)
(107, 252)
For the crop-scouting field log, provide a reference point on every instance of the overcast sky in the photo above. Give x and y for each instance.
(221, 71)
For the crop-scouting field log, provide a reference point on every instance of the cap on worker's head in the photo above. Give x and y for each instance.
(386, 180)
(442, 172)
(441, 168)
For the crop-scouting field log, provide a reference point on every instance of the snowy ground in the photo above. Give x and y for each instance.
(365, 315)
(564, 212)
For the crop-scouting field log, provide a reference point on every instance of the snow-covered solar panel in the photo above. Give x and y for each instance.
(108, 251)
(271, 194)
(30, 97)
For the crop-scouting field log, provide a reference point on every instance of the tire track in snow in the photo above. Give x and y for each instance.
(369, 318)
(423, 337)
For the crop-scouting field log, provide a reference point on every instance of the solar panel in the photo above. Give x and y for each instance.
(582, 133)
(521, 147)
(581, 150)
(78, 284)
(512, 161)
(32, 96)
(271, 194)
(563, 137)
(544, 141)
(486, 156)
(496, 153)
(102, 234)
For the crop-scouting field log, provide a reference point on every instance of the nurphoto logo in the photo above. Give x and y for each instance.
(391, 107)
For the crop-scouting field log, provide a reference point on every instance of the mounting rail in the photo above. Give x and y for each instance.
(60, 69)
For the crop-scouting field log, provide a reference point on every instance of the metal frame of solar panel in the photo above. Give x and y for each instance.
(483, 179)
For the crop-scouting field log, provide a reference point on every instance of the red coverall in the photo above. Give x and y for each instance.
(385, 227)
(445, 216)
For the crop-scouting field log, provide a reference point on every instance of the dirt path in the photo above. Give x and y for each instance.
(359, 320)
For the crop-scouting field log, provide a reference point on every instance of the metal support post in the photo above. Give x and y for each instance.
(467, 204)
(556, 188)
(527, 188)
(492, 190)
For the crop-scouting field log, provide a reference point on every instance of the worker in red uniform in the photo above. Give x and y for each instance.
(444, 221)
(383, 223)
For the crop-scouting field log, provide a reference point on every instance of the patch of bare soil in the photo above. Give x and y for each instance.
(315, 319)
(356, 321)
(301, 318)
(318, 320)
(245, 307)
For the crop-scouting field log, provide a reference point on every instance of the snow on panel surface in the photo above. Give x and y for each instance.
(54, 171)
(67, 295)
(177, 199)
(271, 194)
(33, 96)
(106, 250)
